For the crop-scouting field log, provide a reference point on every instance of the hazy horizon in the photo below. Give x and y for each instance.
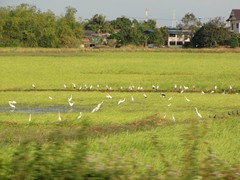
(161, 11)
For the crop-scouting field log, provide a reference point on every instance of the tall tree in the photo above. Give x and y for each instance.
(211, 34)
(189, 22)
(97, 24)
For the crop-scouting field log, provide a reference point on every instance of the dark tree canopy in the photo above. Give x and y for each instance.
(211, 34)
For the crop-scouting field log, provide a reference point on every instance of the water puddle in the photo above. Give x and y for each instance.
(41, 110)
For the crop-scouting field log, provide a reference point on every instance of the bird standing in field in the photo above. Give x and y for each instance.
(145, 96)
(173, 118)
(132, 99)
(188, 100)
(108, 96)
(74, 85)
(70, 99)
(50, 98)
(30, 118)
(121, 101)
(65, 86)
(198, 114)
(59, 117)
(71, 104)
(33, 86)
(12, 104)
(97, 107)
(80, 115)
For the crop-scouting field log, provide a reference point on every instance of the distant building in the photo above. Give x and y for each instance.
(234, 20)
(92, 39)
(178, 38)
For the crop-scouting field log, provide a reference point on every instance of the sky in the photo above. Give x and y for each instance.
(163, 11)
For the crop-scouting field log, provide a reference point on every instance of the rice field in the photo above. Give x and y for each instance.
(161, 91)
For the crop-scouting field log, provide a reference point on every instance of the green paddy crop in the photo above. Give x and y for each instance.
(120, 137)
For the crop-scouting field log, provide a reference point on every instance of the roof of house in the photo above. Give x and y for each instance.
(235, 15)
(178, 31)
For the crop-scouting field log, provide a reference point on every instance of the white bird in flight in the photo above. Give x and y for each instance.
(198, 114)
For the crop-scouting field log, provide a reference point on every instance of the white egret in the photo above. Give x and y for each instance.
(59, 117)
(175, 86)
(30, 118)
(65, 86)
(215, 88)
(188, 100)
(97, 107)
(11, 104)
(170, 98)
(145, 96)
(212, 92)
(80, 115)
(185, 88)
(198, 114)
(74, 85)
(169, 105)
(121, 101)
(202, 92)
(70, 103)
(173, 118)
(132, 99)
(97, 85)
(153, 86)
(121, 88)
(182, 91)
(34, 86)
(50, 98)
(80, 87)
(70, 99)
(90, 87)
(108, 96)
(157, 87)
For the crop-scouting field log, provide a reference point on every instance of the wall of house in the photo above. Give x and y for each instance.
(235, 26)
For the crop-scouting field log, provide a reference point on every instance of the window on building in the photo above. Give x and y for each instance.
(180, 43)
(172, 43)
(232, 26)
(172, 35)
(237, 25)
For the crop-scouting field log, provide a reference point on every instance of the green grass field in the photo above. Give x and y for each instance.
(131, 132)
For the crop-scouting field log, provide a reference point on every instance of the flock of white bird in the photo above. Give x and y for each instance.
(181, 89)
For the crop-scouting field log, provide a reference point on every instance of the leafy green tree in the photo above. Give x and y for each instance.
(190, 22)
(211, 34)
(124, 27)
(97, 24)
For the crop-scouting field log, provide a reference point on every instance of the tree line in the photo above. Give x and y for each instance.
(27, 26)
